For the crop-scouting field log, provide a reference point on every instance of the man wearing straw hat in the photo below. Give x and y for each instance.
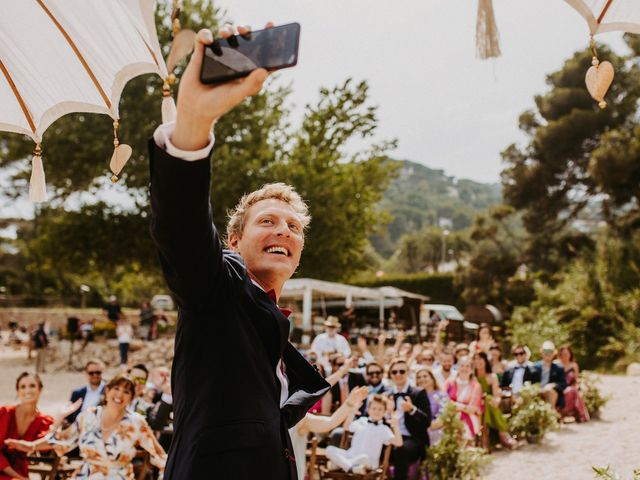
(330, 342)
(238, 384)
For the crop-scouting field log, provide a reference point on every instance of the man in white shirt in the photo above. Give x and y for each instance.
(330, 342)
(519, 372)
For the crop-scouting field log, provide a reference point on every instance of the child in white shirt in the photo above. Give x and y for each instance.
(370, 434)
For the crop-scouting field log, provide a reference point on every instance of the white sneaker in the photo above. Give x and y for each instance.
(359, 469)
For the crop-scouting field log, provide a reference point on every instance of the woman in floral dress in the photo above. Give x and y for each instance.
(107, 437)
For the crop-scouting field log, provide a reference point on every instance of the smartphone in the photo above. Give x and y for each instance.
(237, 56)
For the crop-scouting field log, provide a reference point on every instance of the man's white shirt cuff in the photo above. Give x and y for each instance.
(162, 137)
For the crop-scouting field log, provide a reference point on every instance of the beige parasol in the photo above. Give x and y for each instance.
(63, 56)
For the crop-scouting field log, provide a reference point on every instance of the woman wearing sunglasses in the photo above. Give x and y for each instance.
(106, 435)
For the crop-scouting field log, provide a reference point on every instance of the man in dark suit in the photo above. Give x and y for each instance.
(521, 371)
(550, 375)
(92, 392)
(237, 383)
(340, 391)
(415, 417)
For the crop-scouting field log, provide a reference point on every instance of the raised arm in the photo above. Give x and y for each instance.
(190, 248)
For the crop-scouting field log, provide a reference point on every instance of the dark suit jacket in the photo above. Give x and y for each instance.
(75, 395)
(507, 376)
(229, 339)
(418, 423)
(354, 379)
(556, 375)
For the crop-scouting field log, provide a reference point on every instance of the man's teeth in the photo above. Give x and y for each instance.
(281, 250)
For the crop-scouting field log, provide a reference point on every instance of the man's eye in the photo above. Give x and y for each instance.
(294, 227)
(267, 220)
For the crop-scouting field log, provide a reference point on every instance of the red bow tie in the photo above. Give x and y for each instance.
(285, 311)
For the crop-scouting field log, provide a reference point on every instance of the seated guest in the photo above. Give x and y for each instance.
(139, 375)
(91, 394)
(330, 342)
(573, 404)
(321, 424)
(466, 393)
(494, 419)
(462, 350)
(412, 406)
(484, 341)
(22, 422)
(426, 380)
(518, 373)
(370, 434)
(445, 371)
(551, 376)
(498, 365)
(106, 435)
(373, 377)
(340, 390)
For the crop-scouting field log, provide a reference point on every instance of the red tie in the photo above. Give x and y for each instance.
(285, 311)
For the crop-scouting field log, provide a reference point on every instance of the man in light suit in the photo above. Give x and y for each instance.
(238, 385)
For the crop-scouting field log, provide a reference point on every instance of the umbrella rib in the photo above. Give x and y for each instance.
(604, 11)
(153, 55)
(77, 52)
(19, 98)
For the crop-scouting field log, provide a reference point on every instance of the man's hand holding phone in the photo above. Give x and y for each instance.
(199, 105)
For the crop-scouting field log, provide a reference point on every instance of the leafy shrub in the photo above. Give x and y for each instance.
(593, 398)
(532, 417)
(450, 458)
(605, 473)
(104, 329)
(439, 287)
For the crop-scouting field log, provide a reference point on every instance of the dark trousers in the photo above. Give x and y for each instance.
(124, 353)
(402, 457)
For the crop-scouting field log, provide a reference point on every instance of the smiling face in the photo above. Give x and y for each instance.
(271, 242)
(28, 390)
(376, 410)
(119, 396)
(424, 380)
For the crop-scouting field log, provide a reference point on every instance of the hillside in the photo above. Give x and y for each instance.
(422, 196)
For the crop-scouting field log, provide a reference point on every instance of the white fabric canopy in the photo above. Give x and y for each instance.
(63, 56)
(609, 15)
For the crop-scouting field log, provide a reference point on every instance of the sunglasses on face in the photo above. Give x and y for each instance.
(95, 372)
(517, 354)
(547, 351)
(139, 380)
(429, 359)
(374, 373)
(398, 372)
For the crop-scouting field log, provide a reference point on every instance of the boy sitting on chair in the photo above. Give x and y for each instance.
(370, 434)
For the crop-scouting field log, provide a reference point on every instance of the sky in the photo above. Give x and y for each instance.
(447, 109)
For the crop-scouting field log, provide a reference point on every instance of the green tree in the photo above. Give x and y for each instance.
(549, 179)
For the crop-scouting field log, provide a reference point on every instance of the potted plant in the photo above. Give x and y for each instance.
(532, 417)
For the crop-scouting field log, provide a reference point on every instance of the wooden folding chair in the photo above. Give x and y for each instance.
(50, 466)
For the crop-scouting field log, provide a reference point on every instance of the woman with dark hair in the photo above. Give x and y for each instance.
(573, 404)
(491, 394)
(484, 341)
(21, 422)
(107, 436)
(498, 365)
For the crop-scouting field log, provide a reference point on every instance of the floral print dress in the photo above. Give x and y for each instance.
(110, 459)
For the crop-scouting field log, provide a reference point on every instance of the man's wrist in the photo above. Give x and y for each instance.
(191, 134)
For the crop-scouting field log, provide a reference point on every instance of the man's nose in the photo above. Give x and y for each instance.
(282, 228)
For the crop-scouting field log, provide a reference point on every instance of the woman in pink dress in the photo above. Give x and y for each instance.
(573, 404)
(465, 391)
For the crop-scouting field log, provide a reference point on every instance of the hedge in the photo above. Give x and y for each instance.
(439, 287)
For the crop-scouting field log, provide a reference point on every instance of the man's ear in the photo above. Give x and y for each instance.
(232, 242)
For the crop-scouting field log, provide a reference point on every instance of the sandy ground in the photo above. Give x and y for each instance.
(566, 454)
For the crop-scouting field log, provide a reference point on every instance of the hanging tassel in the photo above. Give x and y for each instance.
(168, 104)
(121, 154)
(487, 36)
(37, 184)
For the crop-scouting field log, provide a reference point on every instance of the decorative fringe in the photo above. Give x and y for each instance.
(37, 184)
(487, 36)
(168, 107)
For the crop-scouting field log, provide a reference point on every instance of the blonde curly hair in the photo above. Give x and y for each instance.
(278, 191)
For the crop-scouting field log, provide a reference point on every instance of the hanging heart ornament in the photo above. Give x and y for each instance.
(181, 47)
(121, 155)
(598, 79)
